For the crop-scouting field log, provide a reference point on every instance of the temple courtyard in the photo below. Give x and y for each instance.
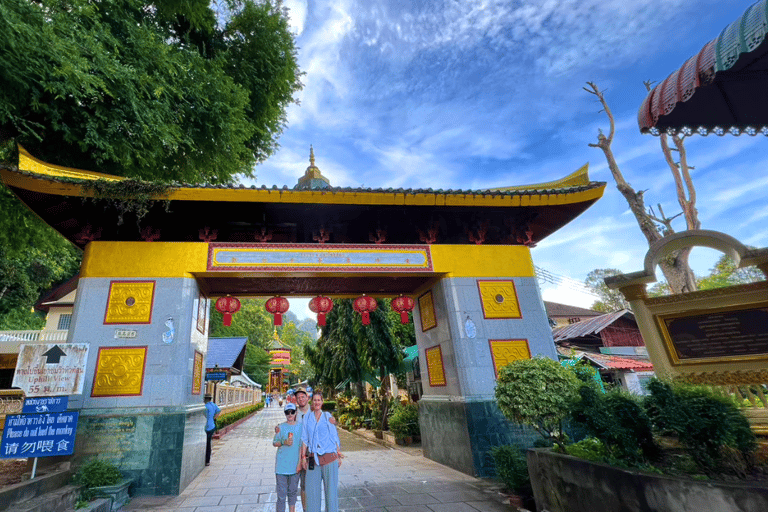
(372, 478)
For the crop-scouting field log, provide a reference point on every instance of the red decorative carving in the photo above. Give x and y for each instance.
(86, 235)
(227, 306)
(277, 306)
(322, 306)
(365, 305)
(263, 237)
(379, 238)
(431, 236)
(208, 235)
(150, 235)
(482, 231)
(403, 305)
(322, 237)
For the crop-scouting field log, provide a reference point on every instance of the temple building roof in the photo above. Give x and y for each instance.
(519, 215)
(277, 343)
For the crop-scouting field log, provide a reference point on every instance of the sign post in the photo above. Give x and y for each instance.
(48, 374)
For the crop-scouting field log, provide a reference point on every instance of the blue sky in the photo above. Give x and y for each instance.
(472, 94)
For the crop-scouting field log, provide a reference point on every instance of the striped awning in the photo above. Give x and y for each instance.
(721, 89)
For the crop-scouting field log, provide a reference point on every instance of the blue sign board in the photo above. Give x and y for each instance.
(44, 404)
(216, 376)
(38, 435)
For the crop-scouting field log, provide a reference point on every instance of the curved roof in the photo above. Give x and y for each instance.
(719, 90)
(227, 213)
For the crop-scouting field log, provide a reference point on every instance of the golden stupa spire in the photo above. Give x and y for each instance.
(313, 178)
(311, 156)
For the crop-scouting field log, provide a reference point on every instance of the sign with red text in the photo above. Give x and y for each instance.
(51, 369)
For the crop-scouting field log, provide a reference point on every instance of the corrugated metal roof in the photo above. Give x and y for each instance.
(224, 351)
(619, 363)
(588, 327)
(557, 309)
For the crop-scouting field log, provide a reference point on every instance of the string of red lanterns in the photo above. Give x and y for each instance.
(227, 306)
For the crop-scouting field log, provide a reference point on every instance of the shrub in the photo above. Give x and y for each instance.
(617, 419)
(590, 448)
(227, 419)
(512, 468)
(703, 422)
(537, 392)
(404, 420)
(96, 473)
(329, 405)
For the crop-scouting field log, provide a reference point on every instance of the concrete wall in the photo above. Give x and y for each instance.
(567, 484)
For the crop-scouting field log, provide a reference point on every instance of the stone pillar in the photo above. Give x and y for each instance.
(142, 402)
(466, 328)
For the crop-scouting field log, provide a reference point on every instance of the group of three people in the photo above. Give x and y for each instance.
(308, 453)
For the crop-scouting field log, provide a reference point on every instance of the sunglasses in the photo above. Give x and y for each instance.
(289, 412)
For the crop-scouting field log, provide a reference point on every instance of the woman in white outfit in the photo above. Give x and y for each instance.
(321, 457)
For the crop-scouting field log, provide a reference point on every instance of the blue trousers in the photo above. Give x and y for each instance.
(327, 475)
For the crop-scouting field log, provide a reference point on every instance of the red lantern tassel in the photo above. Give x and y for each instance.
(403, 317)
(321, 319)
(366, 318)
(278, 319)
(227, 319)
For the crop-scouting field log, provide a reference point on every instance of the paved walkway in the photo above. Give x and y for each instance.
(372, 478)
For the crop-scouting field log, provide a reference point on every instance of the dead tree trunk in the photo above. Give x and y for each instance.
(675, 268)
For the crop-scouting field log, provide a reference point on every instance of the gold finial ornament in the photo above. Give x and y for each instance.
(313, 178)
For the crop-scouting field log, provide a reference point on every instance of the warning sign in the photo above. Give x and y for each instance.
(51, 370)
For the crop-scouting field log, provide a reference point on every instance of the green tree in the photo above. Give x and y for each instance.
(167, 90)
(725, 273)
(538, 392)
(610, 300)
(252, 321)
(256, 364)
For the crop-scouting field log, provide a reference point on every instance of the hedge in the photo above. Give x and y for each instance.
(231, 417)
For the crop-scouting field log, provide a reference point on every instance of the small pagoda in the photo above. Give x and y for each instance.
(280, 361)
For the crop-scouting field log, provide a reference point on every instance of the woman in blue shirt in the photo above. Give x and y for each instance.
(287, 465)
(321, 457)
(211, 411)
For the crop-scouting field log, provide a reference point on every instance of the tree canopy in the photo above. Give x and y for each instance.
(168, 90)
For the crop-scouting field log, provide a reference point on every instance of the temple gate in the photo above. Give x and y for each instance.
(146, 284)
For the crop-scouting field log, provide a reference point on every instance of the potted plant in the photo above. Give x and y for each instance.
(101, 479)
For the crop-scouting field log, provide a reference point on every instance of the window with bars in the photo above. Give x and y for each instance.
(64, 321)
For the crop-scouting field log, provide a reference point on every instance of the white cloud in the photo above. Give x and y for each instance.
(297, 13)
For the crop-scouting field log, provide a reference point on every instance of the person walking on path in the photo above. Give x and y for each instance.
(288, 443)
(320, 457)
(211, 411)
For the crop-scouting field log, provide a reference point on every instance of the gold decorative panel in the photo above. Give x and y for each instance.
(197, 374)
(499, 299)
(435, 367)
(427, 312)
(130, 302)
(119, 371)
(8, 361)
(504, 352)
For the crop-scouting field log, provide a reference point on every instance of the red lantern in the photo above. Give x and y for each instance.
(321, 305)
(364, 305)
(403, 305)
(227, 306)
(277, 306)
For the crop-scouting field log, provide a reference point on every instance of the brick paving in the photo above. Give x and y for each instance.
(372, 478)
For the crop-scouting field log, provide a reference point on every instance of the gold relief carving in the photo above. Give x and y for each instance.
(499, 299)
(504, 352)
(197, 374)
(726, 378)
(435, 367)
(706, 294)
(130, 302)
(119, 371)
(427, 312)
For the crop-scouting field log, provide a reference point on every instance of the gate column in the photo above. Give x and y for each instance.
(146, 323)
(486, 312)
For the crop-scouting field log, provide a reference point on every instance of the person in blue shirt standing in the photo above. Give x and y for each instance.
(321, 457)
(211, 411)
(288, 443)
